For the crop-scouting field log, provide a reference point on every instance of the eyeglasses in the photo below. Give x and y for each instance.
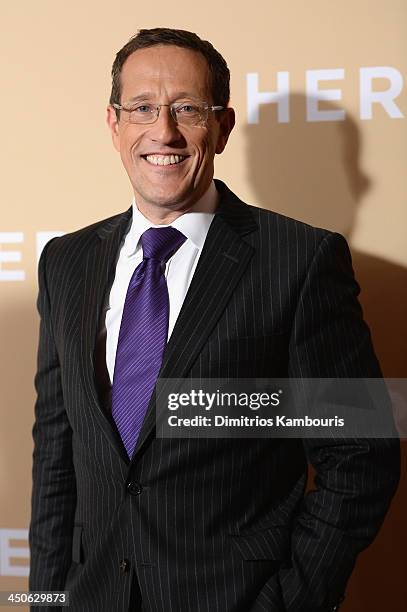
(183, 113)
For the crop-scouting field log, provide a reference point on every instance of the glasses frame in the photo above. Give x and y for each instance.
(172, 108)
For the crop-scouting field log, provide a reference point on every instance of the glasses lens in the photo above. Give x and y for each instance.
(142, 113)
(190, 113)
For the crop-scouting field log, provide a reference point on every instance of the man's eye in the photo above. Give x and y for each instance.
(187, 108)
(142, 108)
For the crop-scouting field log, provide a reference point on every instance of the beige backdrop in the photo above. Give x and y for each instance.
(60, 173)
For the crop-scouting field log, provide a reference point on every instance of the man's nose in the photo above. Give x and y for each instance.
(165, 128)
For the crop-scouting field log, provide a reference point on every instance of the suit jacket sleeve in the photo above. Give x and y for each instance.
(355, 479)
(54, 489)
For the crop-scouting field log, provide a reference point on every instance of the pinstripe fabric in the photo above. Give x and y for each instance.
(218, 525)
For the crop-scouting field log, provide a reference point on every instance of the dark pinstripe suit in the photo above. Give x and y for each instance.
(205, 525)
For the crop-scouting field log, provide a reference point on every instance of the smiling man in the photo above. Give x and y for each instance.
(169, 158)
(191, 282)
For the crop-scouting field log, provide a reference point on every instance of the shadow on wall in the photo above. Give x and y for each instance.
(311, 171)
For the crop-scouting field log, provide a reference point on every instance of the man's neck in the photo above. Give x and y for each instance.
(163, 216)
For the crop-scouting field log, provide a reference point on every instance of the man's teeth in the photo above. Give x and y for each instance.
(164, 160)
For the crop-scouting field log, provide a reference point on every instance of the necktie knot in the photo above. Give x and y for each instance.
(160, 243)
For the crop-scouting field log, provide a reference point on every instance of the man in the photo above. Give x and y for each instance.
(192, 283)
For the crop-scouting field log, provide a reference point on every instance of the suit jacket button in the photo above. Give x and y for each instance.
(134, 488)
(124, 565)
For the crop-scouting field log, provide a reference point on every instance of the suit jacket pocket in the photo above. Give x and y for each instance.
(269, 544)
(77, 546)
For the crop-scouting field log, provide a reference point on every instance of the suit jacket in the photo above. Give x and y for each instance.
(204, 525)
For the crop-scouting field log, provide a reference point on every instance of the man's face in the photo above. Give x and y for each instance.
(165, 74)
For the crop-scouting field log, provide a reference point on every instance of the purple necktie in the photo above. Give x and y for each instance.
(143, 334)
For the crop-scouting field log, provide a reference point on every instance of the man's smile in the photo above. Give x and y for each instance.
(165, 160)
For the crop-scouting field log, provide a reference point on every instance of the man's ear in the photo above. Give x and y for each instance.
(226, 124)
(113, 124)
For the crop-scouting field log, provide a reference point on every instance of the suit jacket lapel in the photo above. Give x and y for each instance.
(97, 277)
(223, 260)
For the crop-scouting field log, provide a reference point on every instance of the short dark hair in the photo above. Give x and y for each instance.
(218, 68)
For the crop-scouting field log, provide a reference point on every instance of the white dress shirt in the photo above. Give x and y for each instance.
(179, 269)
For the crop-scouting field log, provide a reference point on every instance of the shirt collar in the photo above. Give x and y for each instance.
(193, 224)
